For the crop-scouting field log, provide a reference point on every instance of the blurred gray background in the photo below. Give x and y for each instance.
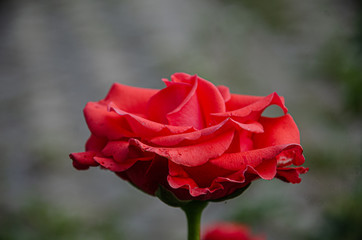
(55, 56)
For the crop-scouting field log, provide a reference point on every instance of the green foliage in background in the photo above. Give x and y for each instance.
(38, 220)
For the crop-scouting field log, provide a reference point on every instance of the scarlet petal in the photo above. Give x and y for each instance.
(188, 113)
(252, 111)
(225, 93)
(144, 128)
(95, 143)
(130, 99)
(160, 105)
(117, 149)
(193, 155)
(291, 174)
(210, 99)
(206, 133)
(229, 231)
(209, 96)
(103, 123)
(83, 160)
(147, 175)
(260, 161)
(238, 101)
(277, 131)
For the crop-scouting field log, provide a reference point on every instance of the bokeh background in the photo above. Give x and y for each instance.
(57, 55)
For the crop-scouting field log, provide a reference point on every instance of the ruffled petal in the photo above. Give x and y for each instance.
(188, 112)
(179, 178)
(210, 99)
(130, 99)
(160, 105)
(206, 133)
(260, 161)
(147, 175)
(194, 155)
(251, 111)
(118, 156)
(117, 149)
(291, 174)
(95, 143)
(144, 128)
(104, 124)
(225, 93)
(277, 131)
(238, 101)
(204, 182)
(209, 96)
(83, 160)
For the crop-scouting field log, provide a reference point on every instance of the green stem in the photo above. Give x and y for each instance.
(193, 211)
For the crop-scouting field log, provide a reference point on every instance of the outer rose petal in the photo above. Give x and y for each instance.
(194, 155)
(130, 99)
(206, 133)
(238, 101)
(144, 128)
(262, 162)
(104, 124)
(197, 180)
(277, 131)
(147, 175)
(83, 160)
(291, 174)
(95, 143)
(229, 231)
(252, 111)
(280, 131)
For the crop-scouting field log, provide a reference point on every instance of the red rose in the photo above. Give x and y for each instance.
(192, 138)
(229, 231)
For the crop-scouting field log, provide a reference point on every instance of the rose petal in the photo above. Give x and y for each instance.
(209, 96)
(179, 178)
(181, 77)
(153, 174)
(130, 99)
(206, 133)
(160, 105)
(225, 93)
(238, 101)
(193, 155)
(83, 160)
(144, 128)
(210, 99)
(291, 174)
(277, 131)
(229, 231)
(116, 149)
(204, 182)
(95, 143)
(111, 164)
(103, 123)
(188, 113)
(252, 111)
(261, 161)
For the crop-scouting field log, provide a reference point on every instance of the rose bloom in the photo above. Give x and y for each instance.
(194, 139)
(229, 231)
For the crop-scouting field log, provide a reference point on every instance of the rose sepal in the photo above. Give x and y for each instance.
(235, 194)
(169, 198)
